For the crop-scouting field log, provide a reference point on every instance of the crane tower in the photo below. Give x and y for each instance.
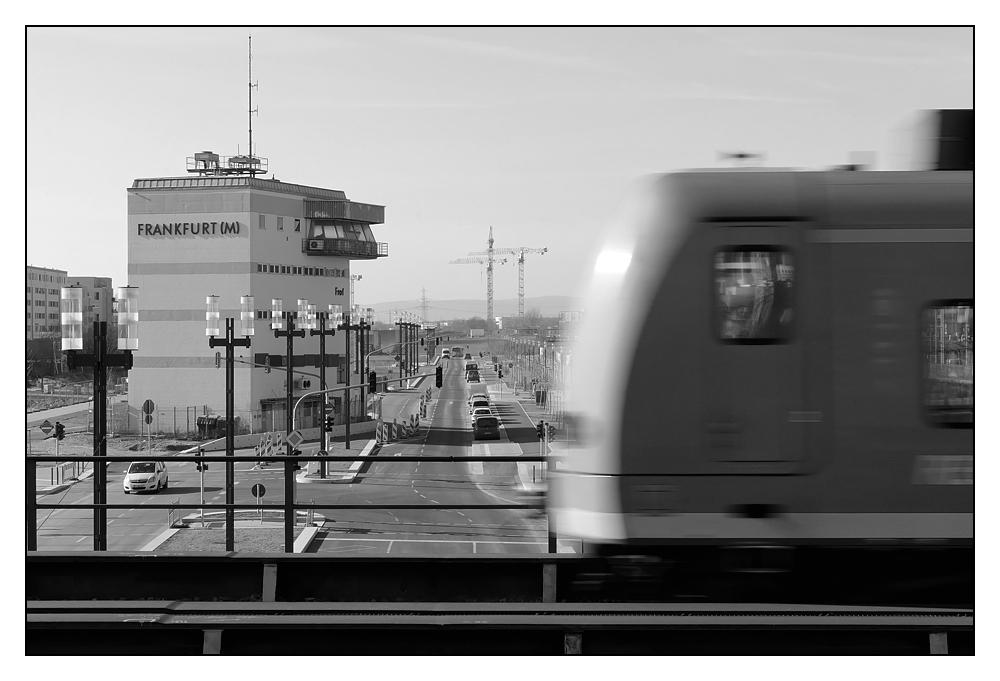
(519, 251)
(488, 261)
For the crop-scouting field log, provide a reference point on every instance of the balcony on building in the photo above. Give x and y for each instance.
(343, 228)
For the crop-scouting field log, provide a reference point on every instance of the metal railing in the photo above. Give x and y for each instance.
(289, 506)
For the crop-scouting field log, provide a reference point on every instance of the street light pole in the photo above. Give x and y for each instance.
(71, 313)
(277, 324)
(323, 332)
(230, 342)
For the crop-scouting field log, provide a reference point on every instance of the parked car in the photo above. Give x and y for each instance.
(486, 427)
(145, 476)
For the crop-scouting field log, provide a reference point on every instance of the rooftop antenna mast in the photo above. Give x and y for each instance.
(251, 86)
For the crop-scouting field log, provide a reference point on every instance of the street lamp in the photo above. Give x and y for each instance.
(354, 278)
(278, 324)
(322, 332)
(230, 342)
(71, 313)
(343, 322)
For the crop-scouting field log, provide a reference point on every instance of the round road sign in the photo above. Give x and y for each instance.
(148, 418)
(258, 490)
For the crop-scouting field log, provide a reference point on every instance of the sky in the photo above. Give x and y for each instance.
(535, 132)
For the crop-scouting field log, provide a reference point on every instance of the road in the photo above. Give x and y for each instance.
(442, 531)
(381, 482)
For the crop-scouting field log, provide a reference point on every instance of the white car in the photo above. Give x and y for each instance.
(145, 476)
(481, 411)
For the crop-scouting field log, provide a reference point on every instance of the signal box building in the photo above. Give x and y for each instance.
(224, 231)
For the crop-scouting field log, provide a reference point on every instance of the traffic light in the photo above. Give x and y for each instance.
(296, 465)
(267, 364)
(218, 359)
(200, 465)
(437, 341)
(421, 342)
(439, 376)
(540, 430)
(328, 424)
(480, 355)
(552, 431)
(500, 373)
(372, 382)
(60, 431)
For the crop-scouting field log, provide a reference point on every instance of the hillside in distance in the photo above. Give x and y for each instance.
(443, 310)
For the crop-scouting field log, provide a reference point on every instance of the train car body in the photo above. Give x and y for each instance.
(775, 358)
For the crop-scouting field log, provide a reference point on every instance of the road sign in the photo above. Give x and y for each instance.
(148, 418)
(258, 490)
(148, 407)
(328, 407)
(46, 427)
(295, 439)
(510, 365)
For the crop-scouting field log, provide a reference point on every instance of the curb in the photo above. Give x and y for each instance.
(304, 539)
(55, 489)
(341, 478)
(164, 536)
(302, 542)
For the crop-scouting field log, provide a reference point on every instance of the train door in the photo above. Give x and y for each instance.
(753, 362)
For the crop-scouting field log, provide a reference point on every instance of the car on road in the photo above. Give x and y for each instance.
(446, 354)
(472, 376)
(477, 403)
(486, 427)
(478, 395)
(145, 476)
(481, 411)
(468, 355)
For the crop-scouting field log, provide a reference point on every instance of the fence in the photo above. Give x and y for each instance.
(200, 422)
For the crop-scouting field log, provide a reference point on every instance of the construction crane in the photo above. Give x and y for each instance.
(519, 251)
(488, 261)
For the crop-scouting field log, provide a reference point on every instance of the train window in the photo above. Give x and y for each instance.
(754, 294)
(949, 362)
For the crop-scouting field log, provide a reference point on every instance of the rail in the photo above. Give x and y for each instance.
(84, 627)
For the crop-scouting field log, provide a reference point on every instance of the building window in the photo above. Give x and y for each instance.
(298, 224)
(54, 291)
(260, 267)
(281, 224)
(270, 269)
(261, 217)
(97, 295)
(753, 289)
(949, 361)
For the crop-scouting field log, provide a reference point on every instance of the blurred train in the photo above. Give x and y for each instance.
(775, 372)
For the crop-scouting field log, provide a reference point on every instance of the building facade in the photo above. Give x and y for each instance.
(230, 236)
(42, 290)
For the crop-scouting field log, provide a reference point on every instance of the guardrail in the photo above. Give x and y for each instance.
(359, 628)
